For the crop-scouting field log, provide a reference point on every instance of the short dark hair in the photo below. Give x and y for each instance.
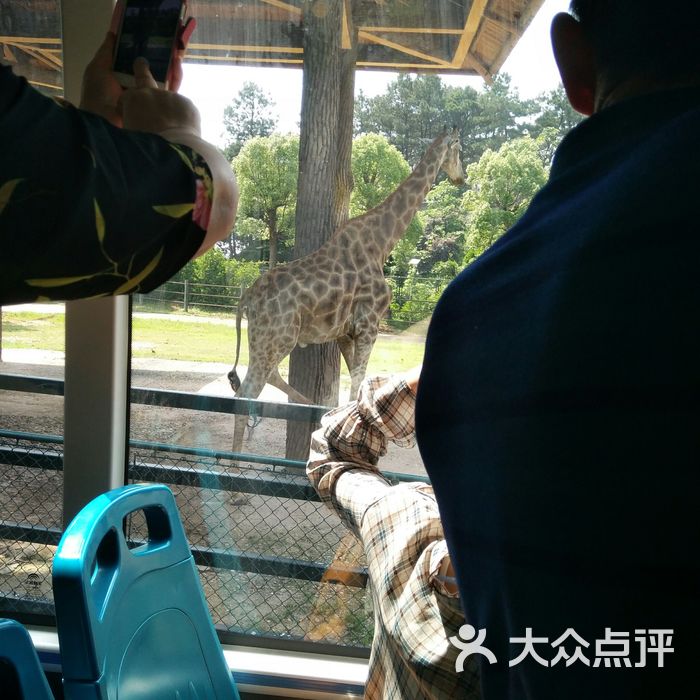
(629, 37)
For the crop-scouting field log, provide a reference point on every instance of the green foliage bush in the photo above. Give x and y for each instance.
(413, 297)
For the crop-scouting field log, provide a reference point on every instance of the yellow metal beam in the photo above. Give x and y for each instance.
(345, 40)
(46, 85)
(243, 59)
(412, 30)
(48, 61)
(292, 9)
(243, 47)
(373, 38)
(405, 66)
(471, 27)
(28, 40)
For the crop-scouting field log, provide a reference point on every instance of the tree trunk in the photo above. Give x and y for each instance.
(324, 185)
(272, 231)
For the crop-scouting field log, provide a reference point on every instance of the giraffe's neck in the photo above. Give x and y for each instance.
(397, 211)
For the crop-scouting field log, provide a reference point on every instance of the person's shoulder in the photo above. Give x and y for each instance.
(10, 86)
(6, 73)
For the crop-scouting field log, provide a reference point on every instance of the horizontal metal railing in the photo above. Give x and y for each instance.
(217, 558)
(276, 485)
(178, 399)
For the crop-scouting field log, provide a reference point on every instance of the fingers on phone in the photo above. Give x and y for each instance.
(142, 74)
(176, 72)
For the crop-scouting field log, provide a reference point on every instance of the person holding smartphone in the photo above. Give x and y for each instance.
(109, 198)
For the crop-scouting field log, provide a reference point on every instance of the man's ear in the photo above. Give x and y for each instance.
(575, 60)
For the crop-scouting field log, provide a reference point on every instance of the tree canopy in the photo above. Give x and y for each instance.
(249, 115)
(378, 168)
(267, 169)
(502, 184)
(507, 146)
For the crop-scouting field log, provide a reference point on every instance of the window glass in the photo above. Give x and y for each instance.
(31, 367)
(386, 78)
(30, 41)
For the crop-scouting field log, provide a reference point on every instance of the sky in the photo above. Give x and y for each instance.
(530, 65)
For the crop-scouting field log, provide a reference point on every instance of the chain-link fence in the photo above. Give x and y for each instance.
(271, 556)
(273, 560)
(30, 526)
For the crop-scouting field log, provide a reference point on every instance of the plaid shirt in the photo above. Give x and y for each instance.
(400, 529)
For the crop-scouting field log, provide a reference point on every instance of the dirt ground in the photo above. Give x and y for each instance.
(224, 521)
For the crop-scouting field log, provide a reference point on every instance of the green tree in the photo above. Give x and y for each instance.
(247, 240)
(410, 114)
(267, 169)
(556, 113)
(501, 115)
(556, 118)
(441, 248)
(249, 115)
(378, 168)
(502, 184)
(413, 110)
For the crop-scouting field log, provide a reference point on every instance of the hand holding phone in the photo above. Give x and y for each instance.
(153, 30)
(100, 90)
(156, 111)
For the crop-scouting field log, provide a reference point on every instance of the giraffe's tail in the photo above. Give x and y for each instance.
(233, 378)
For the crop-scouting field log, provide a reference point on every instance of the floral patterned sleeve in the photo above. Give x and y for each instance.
(87, 209)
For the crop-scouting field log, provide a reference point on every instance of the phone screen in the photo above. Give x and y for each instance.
(148, 30)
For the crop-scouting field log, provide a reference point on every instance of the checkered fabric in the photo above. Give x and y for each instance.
(400, 529)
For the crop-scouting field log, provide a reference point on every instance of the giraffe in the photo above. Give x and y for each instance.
(336, 293)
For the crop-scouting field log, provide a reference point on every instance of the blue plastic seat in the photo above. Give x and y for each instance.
(133, 624)
(19, 656)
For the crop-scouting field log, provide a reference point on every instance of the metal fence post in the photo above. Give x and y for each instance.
(186, 301)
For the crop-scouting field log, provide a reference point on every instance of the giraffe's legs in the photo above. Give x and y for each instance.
(276, 380)
(250, 388)
(262, 366)
(364, 343)
(347, 350)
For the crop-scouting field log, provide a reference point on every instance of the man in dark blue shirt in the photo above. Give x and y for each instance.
(559, 406)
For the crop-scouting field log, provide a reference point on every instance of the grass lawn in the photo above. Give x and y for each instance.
(192, 340)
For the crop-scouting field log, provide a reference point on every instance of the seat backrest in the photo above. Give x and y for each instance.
(133, 623)
(18, 658)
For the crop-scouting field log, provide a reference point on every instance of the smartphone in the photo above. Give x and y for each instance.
(150, 29)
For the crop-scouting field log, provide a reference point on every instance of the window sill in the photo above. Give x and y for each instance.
(265, 672)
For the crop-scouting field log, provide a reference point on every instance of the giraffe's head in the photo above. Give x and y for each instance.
(452, 162)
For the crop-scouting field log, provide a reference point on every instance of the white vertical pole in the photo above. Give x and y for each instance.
(96, 390)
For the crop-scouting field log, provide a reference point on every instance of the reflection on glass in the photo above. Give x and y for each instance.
(31, 449)
(385, 78)
(31, 367)
(30, 41)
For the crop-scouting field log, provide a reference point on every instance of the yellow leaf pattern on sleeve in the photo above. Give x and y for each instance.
(6, 192)
(183, 155)
(100, 223)
(134, 282)
(57, 281)
(176, 211)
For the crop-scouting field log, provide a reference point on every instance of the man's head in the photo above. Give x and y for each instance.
(610, 49)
